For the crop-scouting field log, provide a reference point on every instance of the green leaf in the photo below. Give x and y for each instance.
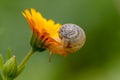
(9, 54)
(19, 70)
(1, 77)
(1, 62)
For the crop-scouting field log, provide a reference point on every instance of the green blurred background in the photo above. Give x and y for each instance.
(99, 59)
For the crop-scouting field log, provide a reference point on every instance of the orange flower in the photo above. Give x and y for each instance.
(45, 32)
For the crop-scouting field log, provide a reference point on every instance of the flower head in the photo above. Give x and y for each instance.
(45, 32)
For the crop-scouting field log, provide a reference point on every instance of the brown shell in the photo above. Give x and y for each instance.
(73, 37)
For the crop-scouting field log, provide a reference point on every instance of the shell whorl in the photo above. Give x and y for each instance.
(72, 37)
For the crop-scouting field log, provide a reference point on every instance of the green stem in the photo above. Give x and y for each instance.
(26, 58)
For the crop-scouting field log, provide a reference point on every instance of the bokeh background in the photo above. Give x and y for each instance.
(99, 59)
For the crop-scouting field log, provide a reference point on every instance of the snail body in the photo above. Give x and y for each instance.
(72, 37)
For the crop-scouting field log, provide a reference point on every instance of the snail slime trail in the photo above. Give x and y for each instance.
(73, 37)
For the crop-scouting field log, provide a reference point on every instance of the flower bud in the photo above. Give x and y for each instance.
(10, 68)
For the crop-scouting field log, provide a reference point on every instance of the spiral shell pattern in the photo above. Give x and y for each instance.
(72, 37)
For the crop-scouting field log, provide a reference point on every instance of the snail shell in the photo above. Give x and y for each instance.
(72, 37)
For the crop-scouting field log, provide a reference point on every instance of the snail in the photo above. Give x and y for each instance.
(72, 36)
